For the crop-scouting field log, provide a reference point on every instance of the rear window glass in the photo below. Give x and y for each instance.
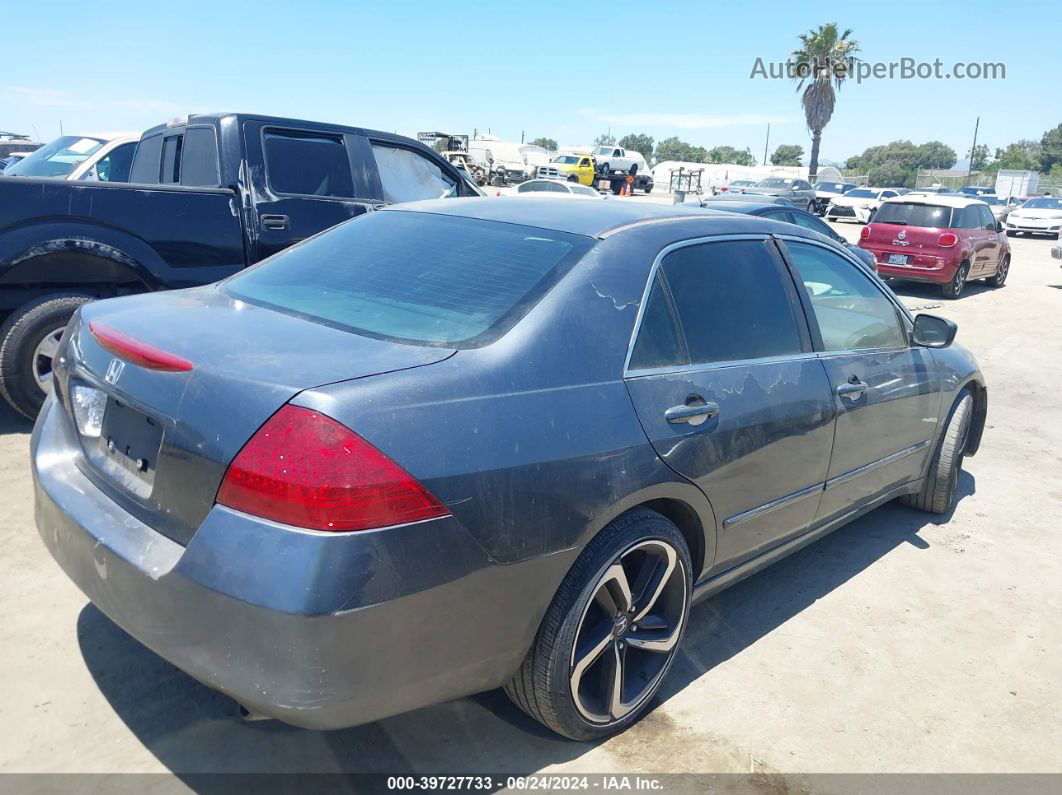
(913, 215)
(199, 165)
(415, 277)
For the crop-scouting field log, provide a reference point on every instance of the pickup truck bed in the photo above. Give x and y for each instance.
(209, 195)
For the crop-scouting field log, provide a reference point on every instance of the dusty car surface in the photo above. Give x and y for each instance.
(458, 445)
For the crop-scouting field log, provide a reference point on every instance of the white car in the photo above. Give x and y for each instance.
(552, 188)
(1039, 216)
(79, 157)
(615, 158)
(858, 204)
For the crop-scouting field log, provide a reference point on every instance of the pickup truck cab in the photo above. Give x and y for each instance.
(207, 196)
(615, 158)
(573, 168)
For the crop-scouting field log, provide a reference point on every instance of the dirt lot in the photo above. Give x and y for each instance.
(896, 644)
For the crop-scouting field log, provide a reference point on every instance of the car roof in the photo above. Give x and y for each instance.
(937, 199)
(215, 119)
(597, 219)
(748, 207)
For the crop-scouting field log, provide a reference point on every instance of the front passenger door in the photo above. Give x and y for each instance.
(730, 393)
(885, 392)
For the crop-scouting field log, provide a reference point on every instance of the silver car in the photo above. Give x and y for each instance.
(798, 191)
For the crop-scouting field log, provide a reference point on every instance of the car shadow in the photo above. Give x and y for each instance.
(12, 422)
(930, 293)
(192, 729)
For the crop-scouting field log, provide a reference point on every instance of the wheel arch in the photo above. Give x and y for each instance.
(684, 505)
(73, 261)
(980, 414)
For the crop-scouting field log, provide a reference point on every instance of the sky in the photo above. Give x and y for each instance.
(567, 71)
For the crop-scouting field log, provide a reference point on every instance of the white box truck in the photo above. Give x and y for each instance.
(1013, 182)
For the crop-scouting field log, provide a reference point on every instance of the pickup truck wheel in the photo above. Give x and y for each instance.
(28, 341)
(648, 189)
(573, 178)
(605, 169)
(634, 169)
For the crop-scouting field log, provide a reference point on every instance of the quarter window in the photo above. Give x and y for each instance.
(852, 313)
(145, 170)
(733, 300)
(408, 176)
(308, 165)
(658, 343)
(171, 159)
(199, 165)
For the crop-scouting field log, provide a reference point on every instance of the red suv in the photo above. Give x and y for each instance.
(947, 240)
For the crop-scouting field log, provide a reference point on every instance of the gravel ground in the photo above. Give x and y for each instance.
(898, 643)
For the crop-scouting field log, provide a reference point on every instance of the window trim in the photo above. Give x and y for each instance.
(265, 129)
(903, 316)
(807, 339)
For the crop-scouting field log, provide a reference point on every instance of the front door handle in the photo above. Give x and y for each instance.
(274, 221)
(853, 389)
(693, 414)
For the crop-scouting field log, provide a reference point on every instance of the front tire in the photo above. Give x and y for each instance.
(1000, 276)
(612, 631)
(28, 341)
(937, 494)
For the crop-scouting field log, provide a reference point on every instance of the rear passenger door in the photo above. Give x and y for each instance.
(886, 393)
(307, 184)
(729, 391)
(992, 248)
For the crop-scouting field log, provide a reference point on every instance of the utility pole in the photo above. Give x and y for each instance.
(766, 144)
(969, 167)
(521, 136)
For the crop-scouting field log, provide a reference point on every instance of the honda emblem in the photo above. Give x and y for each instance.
(114, 371)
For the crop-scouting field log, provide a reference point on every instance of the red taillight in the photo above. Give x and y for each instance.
(947, 240)
(136, 352)
(305, 469)
(864, 233)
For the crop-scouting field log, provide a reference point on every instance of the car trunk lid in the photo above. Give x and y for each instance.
(169, 434)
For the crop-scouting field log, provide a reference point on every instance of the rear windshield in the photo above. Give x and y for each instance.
(415, 277)
(914, 215)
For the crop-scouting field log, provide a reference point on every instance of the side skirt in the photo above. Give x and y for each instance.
(717, 582)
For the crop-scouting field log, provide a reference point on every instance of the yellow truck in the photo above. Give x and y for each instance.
(573, 168)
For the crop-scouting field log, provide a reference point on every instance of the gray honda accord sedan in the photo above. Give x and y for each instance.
(459, 445)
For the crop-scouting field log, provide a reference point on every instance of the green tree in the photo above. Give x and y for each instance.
(676, 149)
(820, 66)
(787, 155)
(605, 139)
(548, 144)
(891, 174)
(728, 154)
(638, 142)
(1051, 149)
(934, 154)
(1023, 154)
(978, 157)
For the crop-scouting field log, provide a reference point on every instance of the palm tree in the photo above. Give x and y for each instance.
(821, 64)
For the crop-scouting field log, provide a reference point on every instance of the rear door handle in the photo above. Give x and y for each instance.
(694, 415)
(853, 389)
(274, 221)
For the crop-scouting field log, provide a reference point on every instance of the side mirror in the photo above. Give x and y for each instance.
(999, 226)
(931, 331)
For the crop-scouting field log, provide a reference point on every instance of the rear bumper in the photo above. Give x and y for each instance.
(318, 630)
(925, 269)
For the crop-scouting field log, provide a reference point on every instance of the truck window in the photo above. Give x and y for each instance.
(199, 163)
(171, 159)
(145, 169)
(308, 164)
(409, 176)
(115, 166)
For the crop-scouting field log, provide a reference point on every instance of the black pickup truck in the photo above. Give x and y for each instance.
(207, 196)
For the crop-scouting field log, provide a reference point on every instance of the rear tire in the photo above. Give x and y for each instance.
(28, 339)
(954, 288)
(1000, 276)
(938, 492)
(605, 170)
(573, 178)
(648, 189)
(621, 611)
